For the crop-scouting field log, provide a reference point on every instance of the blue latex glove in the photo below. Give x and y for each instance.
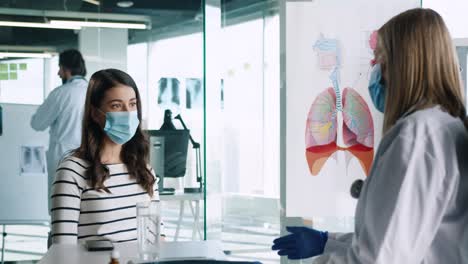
(303, 242)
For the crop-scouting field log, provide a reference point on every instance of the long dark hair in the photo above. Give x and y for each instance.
(134, 153)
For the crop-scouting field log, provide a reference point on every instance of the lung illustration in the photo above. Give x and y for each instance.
(322, 128)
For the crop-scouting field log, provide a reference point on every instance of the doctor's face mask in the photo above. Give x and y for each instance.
(377, 88)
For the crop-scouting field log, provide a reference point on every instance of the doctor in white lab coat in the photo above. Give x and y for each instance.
(62, 111)
(413, 207)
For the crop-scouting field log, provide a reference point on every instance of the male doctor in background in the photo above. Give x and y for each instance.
(62, 111)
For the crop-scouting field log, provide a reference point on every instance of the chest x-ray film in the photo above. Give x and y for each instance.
(32, 160)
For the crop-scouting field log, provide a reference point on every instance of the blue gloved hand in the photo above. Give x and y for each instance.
(303, 242)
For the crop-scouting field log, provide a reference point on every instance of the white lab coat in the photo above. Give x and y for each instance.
(62, 111)
(413, 207)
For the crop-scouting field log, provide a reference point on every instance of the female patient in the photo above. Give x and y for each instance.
(96, 189)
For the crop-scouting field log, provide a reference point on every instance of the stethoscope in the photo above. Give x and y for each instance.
(356, 188)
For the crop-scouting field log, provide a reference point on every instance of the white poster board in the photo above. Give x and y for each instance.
(332, 127)
(23, 173)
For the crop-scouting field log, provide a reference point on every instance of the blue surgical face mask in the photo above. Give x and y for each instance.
(377, 88)
(121, 126)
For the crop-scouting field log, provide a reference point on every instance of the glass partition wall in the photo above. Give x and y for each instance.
(242, 126)
(165, 58)
(213, 63)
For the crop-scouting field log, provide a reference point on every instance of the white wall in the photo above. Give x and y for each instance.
(137, 67)
(28, 88)
(454, 13)
(326, 198)
(103, 48)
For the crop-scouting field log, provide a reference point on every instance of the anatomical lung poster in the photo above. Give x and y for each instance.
(332, 127)
(336, 107)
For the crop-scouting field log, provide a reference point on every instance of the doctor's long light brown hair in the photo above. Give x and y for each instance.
(135, 153)
(419, 66)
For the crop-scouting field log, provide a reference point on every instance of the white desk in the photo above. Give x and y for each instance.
(77, 254)
(190, 198)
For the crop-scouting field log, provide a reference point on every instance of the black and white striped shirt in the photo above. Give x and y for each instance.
(81, 213)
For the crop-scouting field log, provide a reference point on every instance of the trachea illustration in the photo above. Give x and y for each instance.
(334, 110)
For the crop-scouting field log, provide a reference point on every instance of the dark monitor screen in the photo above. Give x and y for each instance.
(175, 151)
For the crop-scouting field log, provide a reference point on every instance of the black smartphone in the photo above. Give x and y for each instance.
(99, 245)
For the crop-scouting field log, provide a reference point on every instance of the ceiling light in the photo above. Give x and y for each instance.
(37, 25)
(24, 55)
(125, 4)
(70, 23)
(94, 2)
